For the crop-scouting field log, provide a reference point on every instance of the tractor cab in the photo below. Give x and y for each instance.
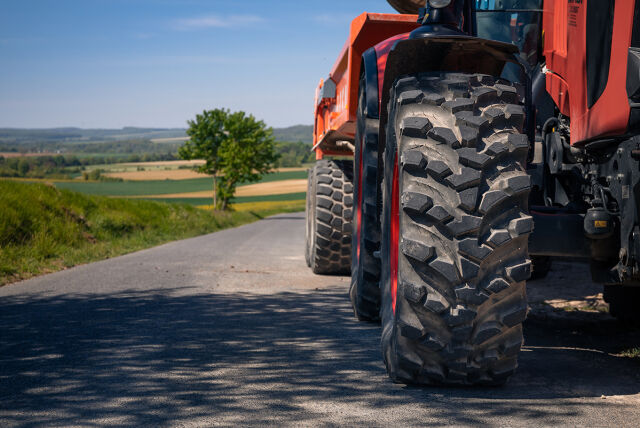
(512, 21)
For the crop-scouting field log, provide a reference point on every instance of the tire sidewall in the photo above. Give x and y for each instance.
(308, 218)
(386, 308)
(312, 218)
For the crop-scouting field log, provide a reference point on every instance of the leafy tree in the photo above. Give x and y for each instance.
(236, 148)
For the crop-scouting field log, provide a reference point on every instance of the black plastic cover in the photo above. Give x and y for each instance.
(633, 75)
(370, 64)
(635, 35)
(599, 33)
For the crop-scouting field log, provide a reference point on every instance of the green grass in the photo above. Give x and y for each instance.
(44, 229)
(160, 187)
(630, 353)
(132, 188)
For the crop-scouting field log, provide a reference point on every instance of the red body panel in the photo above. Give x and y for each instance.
(565, 49)
(337, 116)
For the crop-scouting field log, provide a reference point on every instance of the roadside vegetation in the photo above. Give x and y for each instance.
(632, 353)
(45, 229)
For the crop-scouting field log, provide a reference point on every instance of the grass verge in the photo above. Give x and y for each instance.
(44, 229)
(633, 353)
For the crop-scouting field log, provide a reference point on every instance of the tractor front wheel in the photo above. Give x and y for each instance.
(454, 230)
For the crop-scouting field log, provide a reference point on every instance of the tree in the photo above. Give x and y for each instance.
(236, 148)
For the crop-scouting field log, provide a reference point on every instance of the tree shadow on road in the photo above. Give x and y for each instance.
(165, 357)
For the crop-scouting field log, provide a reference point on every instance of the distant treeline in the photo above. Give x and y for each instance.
(18, 135)
(108, 147)
(68, 166)
(301, 133)
(294, 154)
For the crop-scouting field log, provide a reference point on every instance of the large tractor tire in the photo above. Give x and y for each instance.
(365, 266)
(329, 213)
(623, 302)
(454, 230)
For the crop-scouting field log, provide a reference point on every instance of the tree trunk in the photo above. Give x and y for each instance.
(215, 193)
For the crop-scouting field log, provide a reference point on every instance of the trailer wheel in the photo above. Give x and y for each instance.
(623, 302)
(329, 213)
(365, 266)
(454, 230)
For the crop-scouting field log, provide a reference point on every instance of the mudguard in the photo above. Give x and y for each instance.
(369, 68)
(464, 54)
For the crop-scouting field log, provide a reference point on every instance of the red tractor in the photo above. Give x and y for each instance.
(487, 136)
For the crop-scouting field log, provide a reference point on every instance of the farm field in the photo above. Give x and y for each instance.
(175, 182)
(160, 170)
(279, 187)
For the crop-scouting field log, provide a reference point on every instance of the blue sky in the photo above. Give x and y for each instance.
(156, 63)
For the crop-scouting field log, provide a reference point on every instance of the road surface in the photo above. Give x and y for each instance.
(232, 328)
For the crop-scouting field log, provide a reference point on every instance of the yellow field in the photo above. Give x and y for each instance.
(160, 170)
(169, 140)
(266, 205)
(174, 163)
(156, 174)
(259, 189)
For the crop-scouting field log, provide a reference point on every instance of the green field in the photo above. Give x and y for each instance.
(133, 188)
(159, 187)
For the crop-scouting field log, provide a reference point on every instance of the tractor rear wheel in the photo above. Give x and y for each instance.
(454, 230)
(329, 217)
(365, 266)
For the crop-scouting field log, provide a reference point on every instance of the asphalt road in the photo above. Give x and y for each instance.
(232, 328)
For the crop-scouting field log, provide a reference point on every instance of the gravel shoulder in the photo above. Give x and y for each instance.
(233, 328)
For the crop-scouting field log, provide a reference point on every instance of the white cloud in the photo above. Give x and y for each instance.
(216, 21)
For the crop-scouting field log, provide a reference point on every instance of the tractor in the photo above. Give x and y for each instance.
(460, 146)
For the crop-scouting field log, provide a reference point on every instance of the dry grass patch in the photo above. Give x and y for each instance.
(281, 187)
(284, 206)
(156, 174)
(175, 163)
